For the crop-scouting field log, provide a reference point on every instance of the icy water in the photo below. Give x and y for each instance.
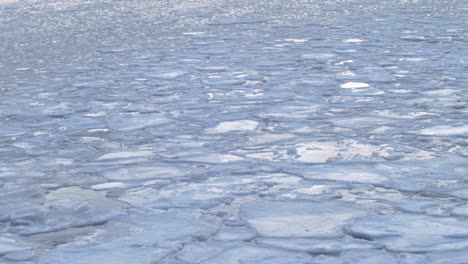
(233, 132)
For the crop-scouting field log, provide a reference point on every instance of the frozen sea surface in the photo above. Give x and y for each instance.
(202, 131)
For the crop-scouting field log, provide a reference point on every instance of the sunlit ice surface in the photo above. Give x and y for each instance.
(180, 132)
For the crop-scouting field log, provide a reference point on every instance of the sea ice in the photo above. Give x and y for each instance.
(234, 126)
(412, 233)
(299, 218)
(354, 85)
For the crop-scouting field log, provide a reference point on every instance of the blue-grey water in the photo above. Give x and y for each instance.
(233, 131)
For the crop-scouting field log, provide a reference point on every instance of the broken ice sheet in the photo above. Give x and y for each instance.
(64, 208)
(234, 126)
(143, 237)
(239, 252)
(284, 126)
(299, 218)
(412, 233)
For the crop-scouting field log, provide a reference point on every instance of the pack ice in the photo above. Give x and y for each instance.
(236, 132)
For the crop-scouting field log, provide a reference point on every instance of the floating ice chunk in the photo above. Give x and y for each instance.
(344, 62)
(296, 40)
(179, 196)
(313, 190)
(353, 177)
(356, 173)
(135, 121)
(353, 40)
(9, 2)
(212, 68)
(108, 185)
(317, 83)
(346, 73)
(265, 138)
(412, 59)
(94, 84)
(368, 257)
(228, 233)
(319, 246)
(317, 56)
(299, 218)
(94, 115)
(197, 252)
(444, 257)
(412, 233)
(233, 126)
(321, 152)
(354, 85)
(98, 130)
(26, 216)
(141, 173)
(21, 255)
(210, 96)
(230, 81)
(416, 206)
(70, 207)
(153, 236)
(249, 254)
(8, 245)
(413, 38)
(316, 152)
(236, 21)
(212, 158)
(115, 253)
(444, 131)
(194, 33)
(169, 75)
(125, 155)
(265, 155)
(461, 210)
(70, 197)
(344, 51)
(409, 258)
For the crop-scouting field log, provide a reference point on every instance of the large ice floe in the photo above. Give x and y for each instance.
(233, 132)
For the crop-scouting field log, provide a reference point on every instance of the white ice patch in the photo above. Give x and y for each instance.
(354, 85)
(8, 245)
(94, 115)
(444, 131)
(232, 126)
(227, 233)
(318, 56)
(353, 177)
(321, 152)
(143, 173)
(212, 158)
(108, 185)
(9, 2)
(319, 246)
(70, 197)
(316, 152)
(194, 33)
(344, 62)
(296, 40)
(125, 155)
(135, 121)
(412, 59)
(353, 40)
(170, 75)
